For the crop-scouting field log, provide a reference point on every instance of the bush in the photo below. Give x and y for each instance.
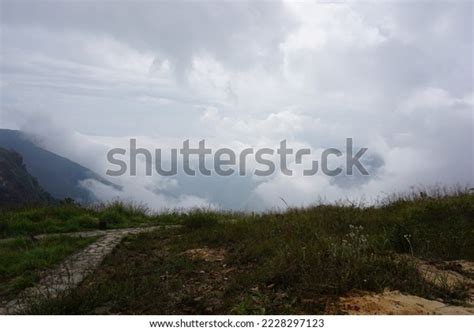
(199, 218)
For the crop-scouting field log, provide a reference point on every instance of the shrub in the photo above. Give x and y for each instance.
(200, 218)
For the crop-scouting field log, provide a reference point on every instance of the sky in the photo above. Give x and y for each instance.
(83, 77)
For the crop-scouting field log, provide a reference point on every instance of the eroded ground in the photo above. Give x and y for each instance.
(452, 274)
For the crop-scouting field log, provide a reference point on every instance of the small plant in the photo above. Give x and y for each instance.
(407, 238)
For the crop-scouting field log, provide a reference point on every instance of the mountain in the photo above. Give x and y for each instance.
(17, 186)
(56, 174)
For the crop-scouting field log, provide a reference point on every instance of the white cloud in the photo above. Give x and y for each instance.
(396, 77)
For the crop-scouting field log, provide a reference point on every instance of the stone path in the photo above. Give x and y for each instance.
(74, 269)
(88, 234)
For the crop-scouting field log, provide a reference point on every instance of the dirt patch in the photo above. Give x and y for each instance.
(447, 273)
(450, 274)
(206, 254)
(396, 303)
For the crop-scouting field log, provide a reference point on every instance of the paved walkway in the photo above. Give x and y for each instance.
(90, 233)
(75, 268)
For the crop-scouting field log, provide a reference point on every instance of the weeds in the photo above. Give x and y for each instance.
(22, 260)
(71, 217)
(279, 262)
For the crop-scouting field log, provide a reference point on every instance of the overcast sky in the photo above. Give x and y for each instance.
(397, 77)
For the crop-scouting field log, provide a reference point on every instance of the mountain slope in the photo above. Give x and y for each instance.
(56, 174)
(17, 186)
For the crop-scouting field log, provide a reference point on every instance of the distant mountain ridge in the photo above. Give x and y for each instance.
(57, 175)
(17, 186)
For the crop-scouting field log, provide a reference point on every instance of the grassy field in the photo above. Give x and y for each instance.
(297, 261)
(22, 260)
(71, 217)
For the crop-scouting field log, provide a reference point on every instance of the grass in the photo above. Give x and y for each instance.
(22, 260)
(297, 261)
(71, 217)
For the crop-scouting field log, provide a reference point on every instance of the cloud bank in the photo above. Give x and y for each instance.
(397, 77)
